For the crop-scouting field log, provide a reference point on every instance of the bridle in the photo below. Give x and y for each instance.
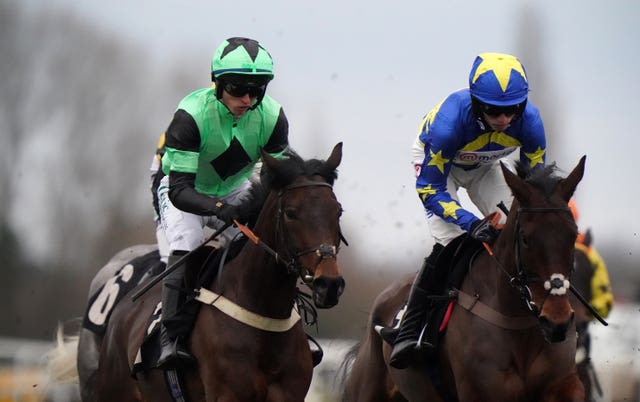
(291, 258)
(323, 251)
(556, 284)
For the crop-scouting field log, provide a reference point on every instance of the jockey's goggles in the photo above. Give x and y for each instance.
(496, 111)
(239, 91)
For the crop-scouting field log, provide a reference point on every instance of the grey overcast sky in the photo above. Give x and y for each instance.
(365, 72)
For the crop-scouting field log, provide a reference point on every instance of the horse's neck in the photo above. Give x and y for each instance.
(257, 282)
(503, 268)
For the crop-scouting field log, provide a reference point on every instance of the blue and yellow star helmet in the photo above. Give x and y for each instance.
(498, 79)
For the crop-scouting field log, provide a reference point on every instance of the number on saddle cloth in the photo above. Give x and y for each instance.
(122, 282)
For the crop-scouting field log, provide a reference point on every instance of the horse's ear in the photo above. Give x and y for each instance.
(271, 162)
(518, 186)
(336, 156)
(588, 238)
(568, 185)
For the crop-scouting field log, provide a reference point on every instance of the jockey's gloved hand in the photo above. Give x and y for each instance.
(483, 230)
(226, 212)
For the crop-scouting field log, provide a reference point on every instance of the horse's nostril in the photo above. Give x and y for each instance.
(319, 284)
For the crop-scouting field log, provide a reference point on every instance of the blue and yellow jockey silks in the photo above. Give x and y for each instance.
(451, 135)
(498, 79)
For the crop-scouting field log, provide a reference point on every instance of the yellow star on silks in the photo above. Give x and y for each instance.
(535, 157)
(501, 65)
(437, 160)
(425, 191)
(449, 209)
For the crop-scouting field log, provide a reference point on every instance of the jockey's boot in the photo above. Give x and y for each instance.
(406, 344)
(176, 320)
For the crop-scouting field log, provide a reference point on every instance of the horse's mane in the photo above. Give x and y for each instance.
(293, 166)
(544, 178)
(289, 168)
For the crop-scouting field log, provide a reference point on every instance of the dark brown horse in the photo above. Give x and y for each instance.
(515, 337)
(250, 344)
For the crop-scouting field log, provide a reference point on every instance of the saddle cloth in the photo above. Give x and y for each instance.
(126, 278)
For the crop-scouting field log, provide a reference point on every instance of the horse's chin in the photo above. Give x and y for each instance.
(555, 332)
(324, 303)
(327, 292)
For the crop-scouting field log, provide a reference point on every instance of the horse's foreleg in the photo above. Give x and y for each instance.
(585, 372)
(569, 389)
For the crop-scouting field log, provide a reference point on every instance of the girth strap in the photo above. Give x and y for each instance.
(245, 316)
(175, 386)
(478, 308)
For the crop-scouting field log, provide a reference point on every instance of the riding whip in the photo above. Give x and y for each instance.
(588, 305)
(178, 263)
(256, 240)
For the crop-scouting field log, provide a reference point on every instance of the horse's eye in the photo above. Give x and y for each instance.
(523, 240)
(291, 213)
(340, 210)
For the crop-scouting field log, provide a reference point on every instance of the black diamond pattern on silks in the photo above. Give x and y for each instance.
(231, 161)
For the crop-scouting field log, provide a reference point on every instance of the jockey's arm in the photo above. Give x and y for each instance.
(183, 137)
(431, 182)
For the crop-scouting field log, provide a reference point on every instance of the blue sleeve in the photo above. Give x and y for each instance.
(533, 151)
(440, 134)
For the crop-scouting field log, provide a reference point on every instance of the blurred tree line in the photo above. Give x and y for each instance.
(80, 113)
(79, 122)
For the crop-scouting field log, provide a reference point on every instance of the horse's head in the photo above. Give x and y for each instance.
(308, 220)
(544, 232)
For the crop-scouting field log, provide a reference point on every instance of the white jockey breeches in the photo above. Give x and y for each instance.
(486, 188)
(185, 231)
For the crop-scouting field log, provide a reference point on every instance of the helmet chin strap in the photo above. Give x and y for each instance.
(259, 98)
(218, 87)
(475, 108)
